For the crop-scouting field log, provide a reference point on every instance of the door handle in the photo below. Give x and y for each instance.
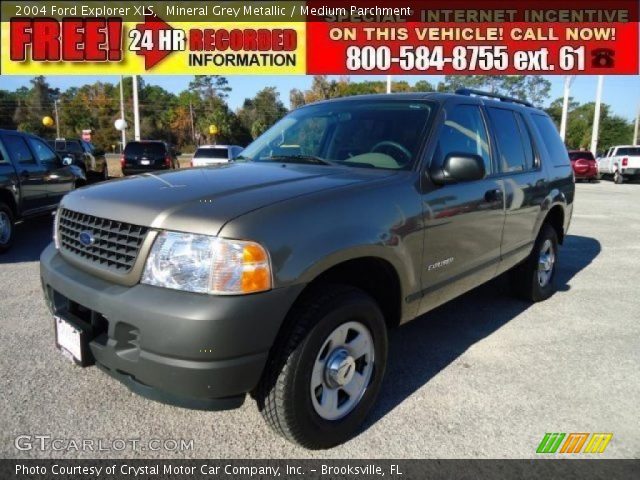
(494, 195)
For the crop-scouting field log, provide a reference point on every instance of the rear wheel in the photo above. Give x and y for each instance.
(534, 278)
(326, 369)
(6, 227)
(618, 178)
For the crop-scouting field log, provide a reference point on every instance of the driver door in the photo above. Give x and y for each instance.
(463, 221)
(58, 179)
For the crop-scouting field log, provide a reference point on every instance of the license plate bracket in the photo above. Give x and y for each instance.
(73, 341)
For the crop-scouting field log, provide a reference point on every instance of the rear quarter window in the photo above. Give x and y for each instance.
(558, 153)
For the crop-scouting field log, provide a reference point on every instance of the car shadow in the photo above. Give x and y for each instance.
(31, 238)
(422, 348)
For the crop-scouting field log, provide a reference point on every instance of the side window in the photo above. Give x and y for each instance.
(552, 142)
(2, 159)
(527, 144)
(43, 153)
(511, 153)
(18, 149)
(464, 131)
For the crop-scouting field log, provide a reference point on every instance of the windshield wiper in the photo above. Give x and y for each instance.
(300, 159)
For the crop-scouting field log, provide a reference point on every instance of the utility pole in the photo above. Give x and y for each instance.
(637, 130)
(55, 106)
(193, 130)
(124, 133)
(388, 83)
(596, 116)
(136, 109)
(568, 80)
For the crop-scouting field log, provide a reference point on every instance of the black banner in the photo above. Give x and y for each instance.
(318, 469)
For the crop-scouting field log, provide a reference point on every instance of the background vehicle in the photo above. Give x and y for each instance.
(33, 179)
(620, 163)
(584, 165)
(148, 156)
(90, 159)
(214, 154)
(280, 274)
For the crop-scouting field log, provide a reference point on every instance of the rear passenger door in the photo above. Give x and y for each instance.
(524, 182)
(31, 174)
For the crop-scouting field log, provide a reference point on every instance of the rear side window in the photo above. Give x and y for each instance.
(515, 153)
(551, 138)
(18, 149)
(464, 131)
(211, 153)
(145, 149)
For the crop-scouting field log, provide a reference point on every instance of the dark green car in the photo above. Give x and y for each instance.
(279, 274)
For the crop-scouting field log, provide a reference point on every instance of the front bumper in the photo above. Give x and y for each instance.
(186, 349)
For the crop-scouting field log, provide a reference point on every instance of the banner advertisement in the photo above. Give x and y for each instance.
(413, 37)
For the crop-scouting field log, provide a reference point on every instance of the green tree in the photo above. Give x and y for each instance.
(262, 111)
(37, 103)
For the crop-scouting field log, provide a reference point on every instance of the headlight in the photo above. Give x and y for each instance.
(205, 264)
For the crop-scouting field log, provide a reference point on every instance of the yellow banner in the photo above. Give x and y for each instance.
(191, 48)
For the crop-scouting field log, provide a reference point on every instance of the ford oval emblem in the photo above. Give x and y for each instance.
(86, 238)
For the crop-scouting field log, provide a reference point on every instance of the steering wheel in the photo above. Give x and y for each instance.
(397, 146)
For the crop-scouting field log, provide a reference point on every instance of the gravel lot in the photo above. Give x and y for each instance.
(483, 376)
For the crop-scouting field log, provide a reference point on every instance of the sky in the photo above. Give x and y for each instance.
(621, 92)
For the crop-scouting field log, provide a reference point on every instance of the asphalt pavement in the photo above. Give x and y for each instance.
(483, 376)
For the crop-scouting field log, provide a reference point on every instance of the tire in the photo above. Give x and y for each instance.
(618, 178)
(526, 277)
(7, 227)
(105, 173)
(286, 392)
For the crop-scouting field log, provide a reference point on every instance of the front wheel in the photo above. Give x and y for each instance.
(534, 278)
(6, 228)
(326, 369)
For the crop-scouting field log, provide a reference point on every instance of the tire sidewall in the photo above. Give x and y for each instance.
(6, 246)
(328, 433)
(542, 293)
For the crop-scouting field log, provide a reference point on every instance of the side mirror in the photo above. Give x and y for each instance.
(459, 167)
(66, 161)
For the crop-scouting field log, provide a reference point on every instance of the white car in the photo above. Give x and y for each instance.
(214, 154)
(620, 162)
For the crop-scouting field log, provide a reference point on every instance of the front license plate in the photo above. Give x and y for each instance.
(144, 162)
(68, 339)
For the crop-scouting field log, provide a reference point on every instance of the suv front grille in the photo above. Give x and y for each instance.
(112, 244)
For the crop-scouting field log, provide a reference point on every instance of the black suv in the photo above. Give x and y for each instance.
(148, 156)
(33, 179)
(279, 274)
(90, 159)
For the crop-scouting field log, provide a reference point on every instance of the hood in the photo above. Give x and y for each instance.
(202, 200)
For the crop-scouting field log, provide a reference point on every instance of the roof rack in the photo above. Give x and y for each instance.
(469, 91)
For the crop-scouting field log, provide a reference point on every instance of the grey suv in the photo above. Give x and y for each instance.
(279, 274)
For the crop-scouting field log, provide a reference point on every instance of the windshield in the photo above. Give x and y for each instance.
(631, 151)
(211, 153)
(369, 134)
